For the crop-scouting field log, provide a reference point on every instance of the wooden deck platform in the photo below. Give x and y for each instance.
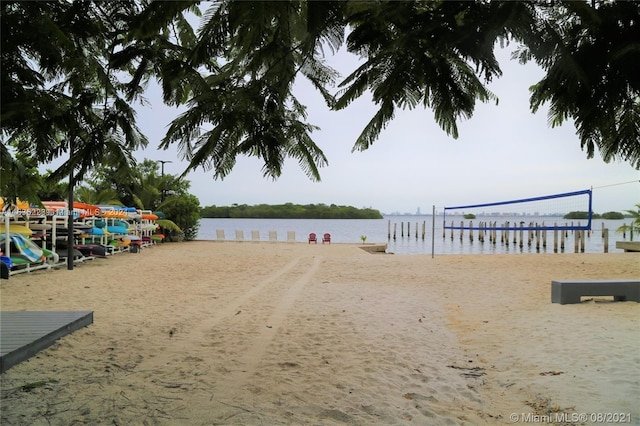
(628, 245)
(25, 333)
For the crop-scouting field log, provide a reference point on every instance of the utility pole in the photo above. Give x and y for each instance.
(70, 218)
(162, 162)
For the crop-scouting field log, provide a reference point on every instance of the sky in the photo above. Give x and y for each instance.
(503, 152)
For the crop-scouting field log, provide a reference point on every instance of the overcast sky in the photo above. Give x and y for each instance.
(503, 152)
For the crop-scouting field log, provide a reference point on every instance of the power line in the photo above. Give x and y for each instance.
(615, 184)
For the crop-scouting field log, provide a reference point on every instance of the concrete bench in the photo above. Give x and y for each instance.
(564, 292)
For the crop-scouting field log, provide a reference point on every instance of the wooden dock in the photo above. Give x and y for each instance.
(628, 245)
(25, 333)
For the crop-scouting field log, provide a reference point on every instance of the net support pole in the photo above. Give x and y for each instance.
(433, 231)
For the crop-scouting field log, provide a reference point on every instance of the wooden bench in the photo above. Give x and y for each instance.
(564, 292)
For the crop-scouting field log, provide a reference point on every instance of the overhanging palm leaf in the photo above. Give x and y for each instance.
(633, 226)
(421, 53)
(168, 224)
(247, 102)
(81, 113)
(91, 196)
(591, 57)
(17, 178)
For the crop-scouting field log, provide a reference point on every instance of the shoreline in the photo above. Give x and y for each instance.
(202, 333)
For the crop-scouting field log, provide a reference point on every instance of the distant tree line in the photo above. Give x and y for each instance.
(289, 211)
(585, 215)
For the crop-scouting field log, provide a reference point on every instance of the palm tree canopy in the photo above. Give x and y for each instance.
(89, 195)
(591, 56)
(434, 54)
(237, 79)
(63, 65)
(60, 94)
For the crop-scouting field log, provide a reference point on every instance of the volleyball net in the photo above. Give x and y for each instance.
(538, 213)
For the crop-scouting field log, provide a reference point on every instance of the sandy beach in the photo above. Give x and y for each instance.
(207, 333)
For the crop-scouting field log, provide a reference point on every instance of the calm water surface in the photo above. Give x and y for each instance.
(377, 231)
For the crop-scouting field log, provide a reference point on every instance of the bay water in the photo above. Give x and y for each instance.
(381, 231)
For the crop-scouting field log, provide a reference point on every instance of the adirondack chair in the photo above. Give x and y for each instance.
(326, 238)
(312, 238)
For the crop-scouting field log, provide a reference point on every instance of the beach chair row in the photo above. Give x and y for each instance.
(271, 236)
(254, 236)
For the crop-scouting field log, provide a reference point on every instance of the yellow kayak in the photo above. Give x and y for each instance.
(17, 228)
(21, 205)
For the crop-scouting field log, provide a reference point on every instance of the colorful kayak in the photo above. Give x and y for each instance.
(24, 248)
(38, 226)
(114, 214)
(118, 212)
(118, 230)
(20, 205)
(96, 231)
(80, 209)
(17, 228)
(95, 250)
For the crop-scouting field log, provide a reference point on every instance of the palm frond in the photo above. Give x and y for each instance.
(168, 224)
